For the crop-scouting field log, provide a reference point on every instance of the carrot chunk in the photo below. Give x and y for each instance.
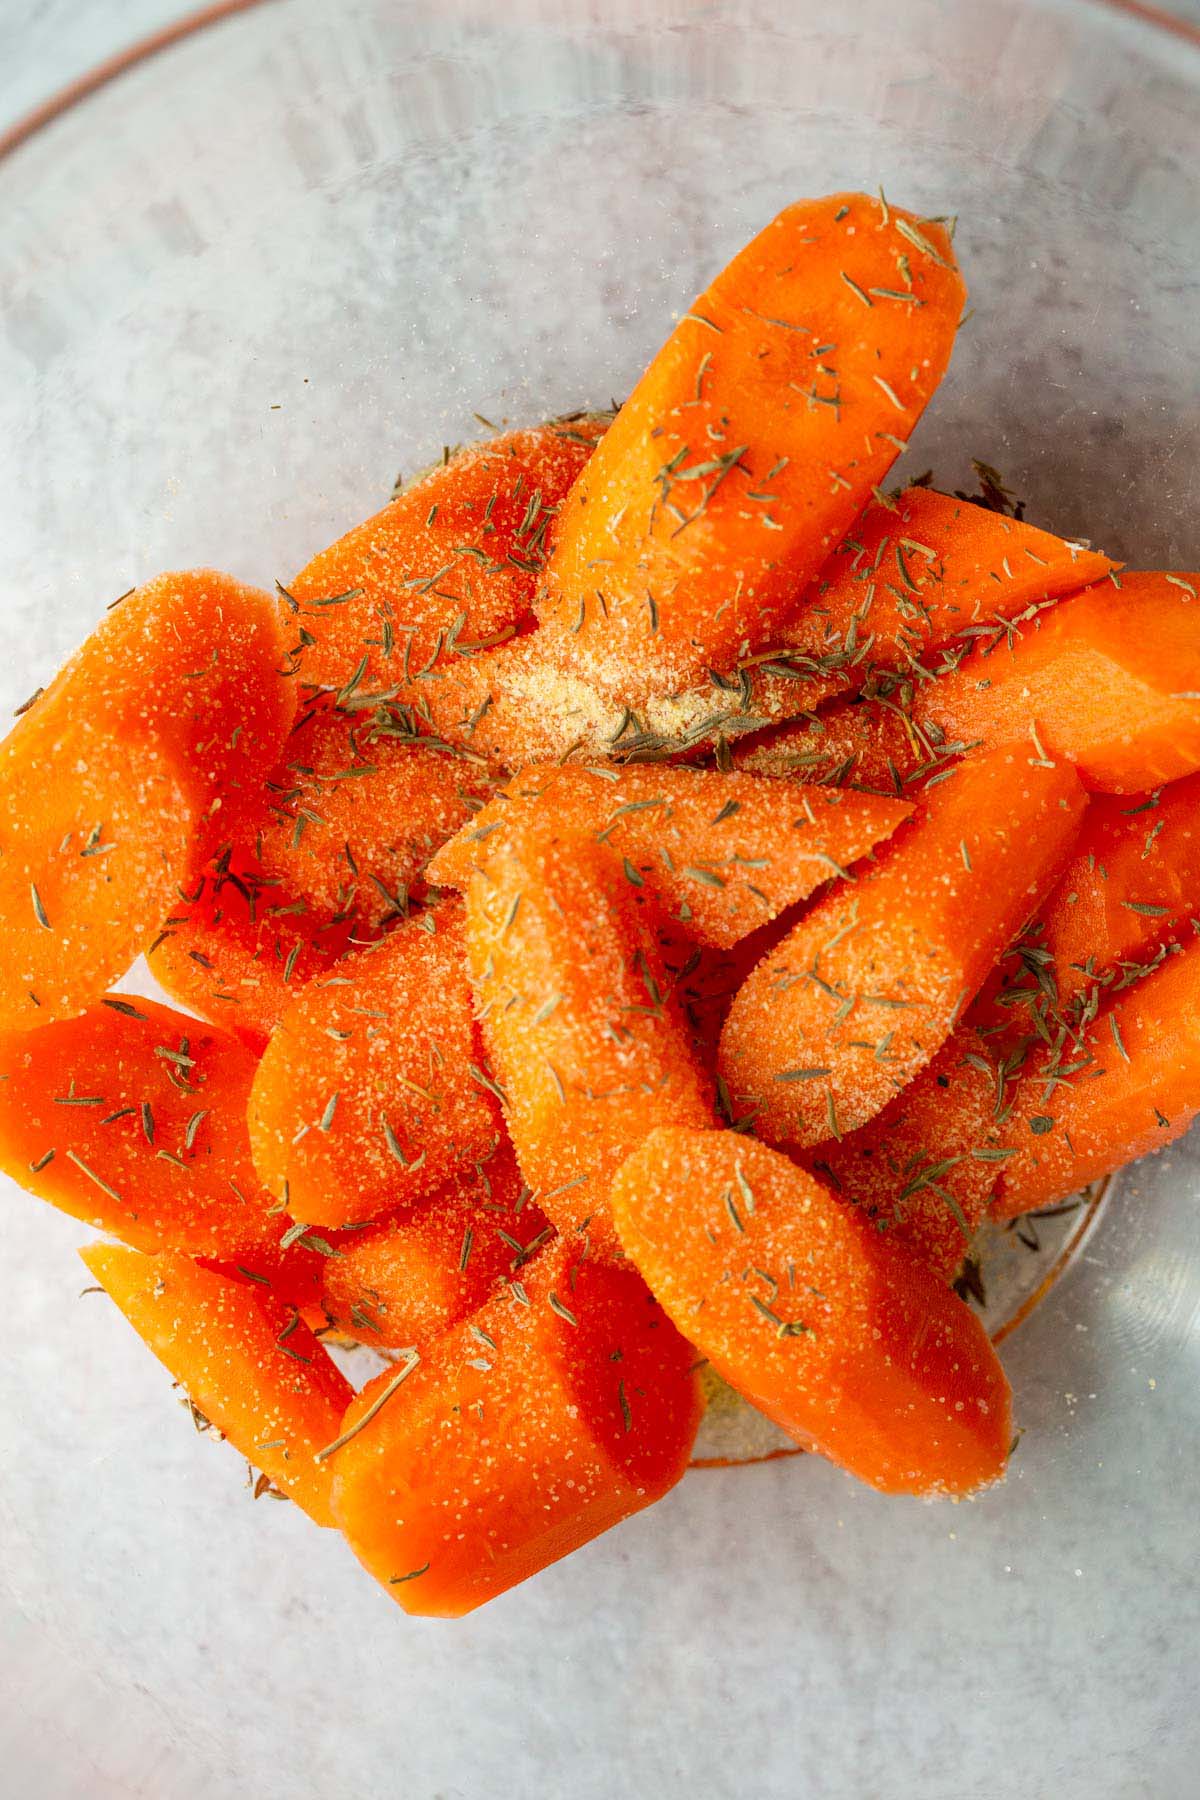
(247, 1361)
(867, 986)
(566, 1404)
(871, 746)
(837, 1333)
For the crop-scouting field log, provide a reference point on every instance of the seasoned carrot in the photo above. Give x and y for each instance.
(925, 1168)
(1082, 1109)
(247, 1362)
(870, 982)
(869, 745)
(1110, 680)
(835, 1331)
(133, 1118)
(370, 1092)
(564, 1405)
(584, 1040)
(449, 566)
(721, 854)
(422, 1269)
(749, 446)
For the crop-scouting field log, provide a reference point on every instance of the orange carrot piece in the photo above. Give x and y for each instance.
(836, 1332)
(749, 445)
(721, 854)
(563, 1406)
(585, 1042)
(247, 1361)
(1084, 1109)
(450, 565)
(133, 1119)
(925, 1168)
(863, 991)
(871, 746)
(370, 1092)
(1110, 681)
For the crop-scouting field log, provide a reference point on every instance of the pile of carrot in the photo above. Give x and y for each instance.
(641, 900)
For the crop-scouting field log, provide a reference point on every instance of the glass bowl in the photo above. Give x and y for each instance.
(242, 286)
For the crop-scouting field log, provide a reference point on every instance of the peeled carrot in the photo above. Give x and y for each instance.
(863, 991)
(449, 566)
(871, 746)
(1084, 1108)
(836, 1332)
(564, 1405)
(370, 1092)
(924, 1169)
(749, 446)
(419, 1271)
(248, 1363)
(722, 854)
(585, 1042)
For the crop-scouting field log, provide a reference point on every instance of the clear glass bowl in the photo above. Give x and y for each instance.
(240, 288)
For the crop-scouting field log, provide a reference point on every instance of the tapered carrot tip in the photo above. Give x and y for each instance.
(722, 854)
(867, 986)
(423, 1269)
(247, 1362)
(133, 1119)
(564, 1405)
(925, 1169)
(865, 745)
(371, 1092)
(586, 1044)
(448, 567)
(838, 1334)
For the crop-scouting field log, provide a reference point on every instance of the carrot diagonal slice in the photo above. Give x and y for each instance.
(583, 1039)
(839, 1335)
(866, 987)
(566, 1404)
(749, 445)
(247, 1362)
(721, 854)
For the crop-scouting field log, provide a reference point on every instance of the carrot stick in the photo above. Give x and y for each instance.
(584, 1041)
(1084, 1109)
(870, 745)
(749, 446)
(832, 1329)
(450, 565)
(370, 1092)
(925, 1168)
(868, 985)
(564, 1405)
(721, 854)
(247, 1362)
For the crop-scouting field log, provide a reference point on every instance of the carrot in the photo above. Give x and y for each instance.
(925, 1168)
(1110, 681)
(247, 1362)
(749, 446)
(421, 1270)
(867, 986)
(370, 1092)
(836, 1332)
(869, 745)
(449, 566)
(585, 1043)
(132, 1118)
(1082, 1109)
(722, 854)
(564, 1405)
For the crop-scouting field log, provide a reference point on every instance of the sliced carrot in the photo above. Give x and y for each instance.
(1132, 1085)
(585, 1042)
(868, 985)
(566, 1404)
(925, 1168)
(450, 565)
(836, 1332)
(749, 446)
(722, 854)
(248, 1363)
(370, 1092)
(871, 746)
